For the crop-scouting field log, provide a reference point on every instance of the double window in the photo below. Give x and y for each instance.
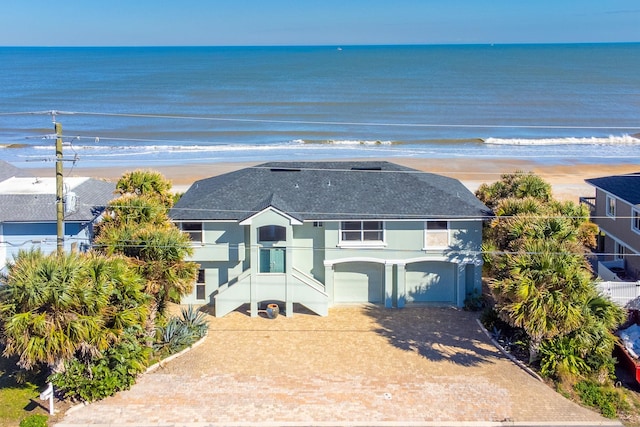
(362, 231)
(436, 234)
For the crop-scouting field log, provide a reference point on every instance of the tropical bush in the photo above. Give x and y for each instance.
(98, 377)
(181, 332)
(606, 399)
(53, 307)
(534, 252)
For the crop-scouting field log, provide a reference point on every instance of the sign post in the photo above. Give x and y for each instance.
(48, 394)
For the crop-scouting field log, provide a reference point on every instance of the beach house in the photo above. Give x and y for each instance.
(324, 233)
(28, 213)
(615, 209)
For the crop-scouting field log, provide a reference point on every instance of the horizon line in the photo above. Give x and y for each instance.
(318, 45)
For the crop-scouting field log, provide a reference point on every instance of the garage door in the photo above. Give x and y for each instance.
(358, 282)
(432, 281)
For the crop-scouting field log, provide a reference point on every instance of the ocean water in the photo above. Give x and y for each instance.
(153, 106)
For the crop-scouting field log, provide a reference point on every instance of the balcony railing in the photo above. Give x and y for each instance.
(589, 201)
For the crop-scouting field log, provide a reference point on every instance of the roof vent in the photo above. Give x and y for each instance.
(366, 168)
(285, 170)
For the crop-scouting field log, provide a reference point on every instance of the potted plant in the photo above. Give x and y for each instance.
(273, 310)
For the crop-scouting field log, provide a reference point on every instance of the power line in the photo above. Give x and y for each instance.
(338, 123)
(319, 122)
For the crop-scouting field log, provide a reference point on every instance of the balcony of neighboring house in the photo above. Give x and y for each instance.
(591, 202)
(615, 282)
(614, 271)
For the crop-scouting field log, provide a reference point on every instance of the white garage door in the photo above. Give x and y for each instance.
(432, 281)
(358, 282)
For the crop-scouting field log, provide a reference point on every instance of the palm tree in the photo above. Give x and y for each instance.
(517, 185)
(543, 290)
(146, 183)
(137, 225)
(53, 306)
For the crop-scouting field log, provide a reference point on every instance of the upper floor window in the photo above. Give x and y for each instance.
(437, 234)
(635, 220)
(272, 233)
(362, 231)
(193, 229)
(611, 206)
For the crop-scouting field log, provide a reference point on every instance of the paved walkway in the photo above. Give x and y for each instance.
(359, 366)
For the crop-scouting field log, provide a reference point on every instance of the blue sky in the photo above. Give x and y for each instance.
(315, 22)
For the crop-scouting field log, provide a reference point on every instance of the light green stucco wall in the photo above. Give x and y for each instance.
(230, 248)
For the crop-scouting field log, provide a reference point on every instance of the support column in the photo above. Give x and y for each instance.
(255, 265)
(388, 284)
(402, 284)
(460, 284)
(328, 281)
(288, 268)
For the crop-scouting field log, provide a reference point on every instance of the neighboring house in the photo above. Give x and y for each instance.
(28, 213)
(616, 211)
(7, 170)
(325, 233)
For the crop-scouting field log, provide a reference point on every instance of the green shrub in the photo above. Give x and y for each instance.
(474, 301)
(607, 399)
(560, 356)
(98, 378)
(35, 420)
(179, 333)
(195, 320)
(174, 336)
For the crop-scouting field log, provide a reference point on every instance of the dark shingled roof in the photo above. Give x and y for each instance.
(624, 187)
(7, 170)
(329, 191)
(92, 196)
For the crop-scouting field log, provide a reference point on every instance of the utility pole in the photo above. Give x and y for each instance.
(59, 188)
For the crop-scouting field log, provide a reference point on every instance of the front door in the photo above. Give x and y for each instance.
(272, 260)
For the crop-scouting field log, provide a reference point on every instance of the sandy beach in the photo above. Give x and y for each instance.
(567, 180)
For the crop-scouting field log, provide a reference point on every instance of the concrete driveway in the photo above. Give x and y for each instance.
(361, 365)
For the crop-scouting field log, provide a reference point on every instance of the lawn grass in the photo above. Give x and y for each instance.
(17, 400)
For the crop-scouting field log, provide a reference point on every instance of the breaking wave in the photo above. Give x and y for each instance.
(610, 140)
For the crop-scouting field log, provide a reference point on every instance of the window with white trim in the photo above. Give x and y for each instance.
(611, 206)
(194, 230)
(362, 232)
(436, 234)
(200, 285)
(635, 220)
(619, 251)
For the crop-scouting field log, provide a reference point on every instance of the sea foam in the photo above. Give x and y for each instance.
(623, 139)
